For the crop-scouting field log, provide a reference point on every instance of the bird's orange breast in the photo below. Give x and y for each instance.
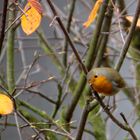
(101, 85)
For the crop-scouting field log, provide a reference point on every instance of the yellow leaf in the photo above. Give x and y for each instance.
(6, 105)
(130, 19)
(93, 13)
(31, 20)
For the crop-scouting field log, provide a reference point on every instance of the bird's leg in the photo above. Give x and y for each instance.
(114, 103)
(108, 101)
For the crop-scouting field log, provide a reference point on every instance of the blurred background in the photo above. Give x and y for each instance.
(38, 72)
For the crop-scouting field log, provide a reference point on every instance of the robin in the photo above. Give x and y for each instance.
(105, 80)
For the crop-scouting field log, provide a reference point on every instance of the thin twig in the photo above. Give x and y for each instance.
(65, 49)
(11, 25)
(23, 58)
(30, 67)
(4, 15)
(58, 132)
(4, 124)
(17, 124)
(41, 95)
(58, 102)
(124, 118)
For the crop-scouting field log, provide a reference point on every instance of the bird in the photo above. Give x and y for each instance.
(105, 80)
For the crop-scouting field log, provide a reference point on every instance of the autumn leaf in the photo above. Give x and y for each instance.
(6, 105)
(93, 13)
(130, 19)
(31, 19)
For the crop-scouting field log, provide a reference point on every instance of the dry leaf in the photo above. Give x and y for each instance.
(130, 19)
(93, 13)
(31, 20)
(6, 105)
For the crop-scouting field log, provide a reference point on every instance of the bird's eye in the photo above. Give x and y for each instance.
(95, 76)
